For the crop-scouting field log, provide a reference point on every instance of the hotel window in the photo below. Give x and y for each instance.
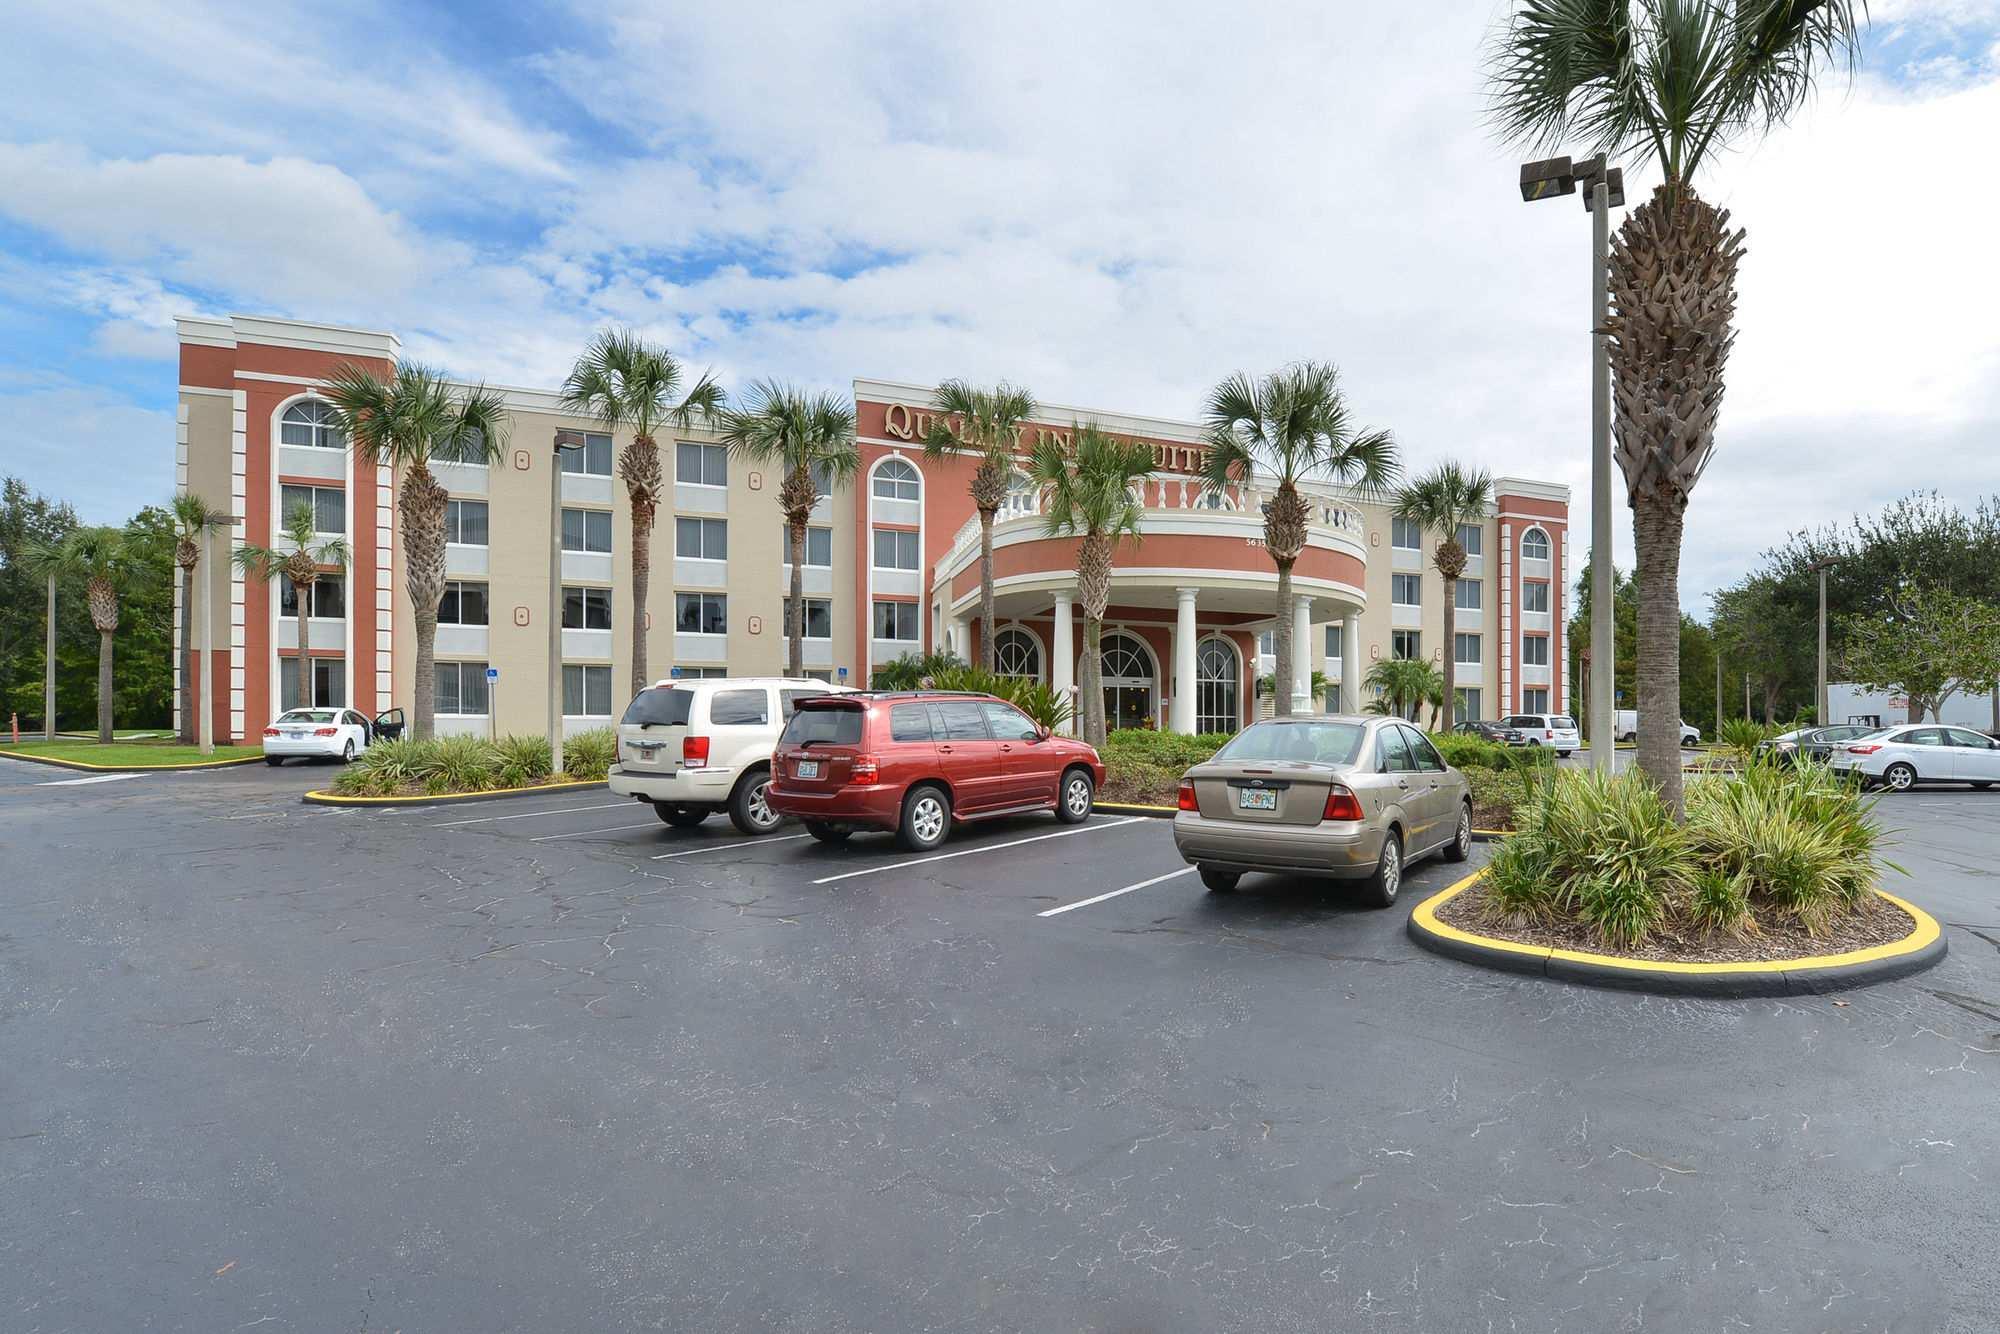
(819, 547)
(1405, 644)
(1015, 653)
(701, 673)
(592, 459)
(1535, 700)
(1334, 639)
(465, 523)
(895, 549)
(1407, 534)
(329, 682)
(896, 620)
(470, 448)
(461, 688)
(1535, 595)
(1472, 537)
(701, 613)
(701, 465)
(819, 618)
(1470, 704)
(310, 423)
(586, 691)
(462, 604)
(1267, 643)
(1470, 595)
(1535, 650)
(1406, 590)
(701, 539)
(326, 602)
(896, 480)
(586, 608)
(1466, 650)
(327, 503)
(1534, 545)
(586, 530)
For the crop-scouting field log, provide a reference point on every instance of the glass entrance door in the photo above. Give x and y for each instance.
(1128, 682)
(1217, 688)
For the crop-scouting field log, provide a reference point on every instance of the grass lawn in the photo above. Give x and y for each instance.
(121, 753)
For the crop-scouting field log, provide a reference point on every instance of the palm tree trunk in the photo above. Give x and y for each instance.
(187, 729)
(1281, 682)
(104, 687)
(49, 669)
(642, 579)
(797, 646)
(986, 590)
(1093, 681)
(305, 661)
(1450, 654)
(1656, 535)
(423, 551)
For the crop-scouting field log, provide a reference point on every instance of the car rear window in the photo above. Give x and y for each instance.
(1307, 743)
(832, 725)
(658, 706)
(739, 708)
(309, 716)
(1562, 721)
(909, 722)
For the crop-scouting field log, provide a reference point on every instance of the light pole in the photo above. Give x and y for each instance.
(1604, 191)
(1819, 699)
(565, 439)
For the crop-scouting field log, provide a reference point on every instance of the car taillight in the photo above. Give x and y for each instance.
(1863, 750)
(270, 731)
(1184, 797)
(694, 752)
(864, 770)
(1341, 804)
(326, 731)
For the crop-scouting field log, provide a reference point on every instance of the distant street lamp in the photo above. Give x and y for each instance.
(1819, 700)
(1604, 191)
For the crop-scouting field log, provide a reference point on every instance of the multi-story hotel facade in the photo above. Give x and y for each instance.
(892, 565)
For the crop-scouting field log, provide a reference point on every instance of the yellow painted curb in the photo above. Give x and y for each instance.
(88, 767)
(324, 798)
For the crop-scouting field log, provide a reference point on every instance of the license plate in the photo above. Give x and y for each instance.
(809, 768)
(295, 735)
(1257, 799)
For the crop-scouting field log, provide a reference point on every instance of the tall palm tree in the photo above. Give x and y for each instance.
(396, 420)
(192, 517)
(99, 557)
(45, 559)
(986, 423)
(1441, 500)
(803, 435)
(622, 380)
(298, 558)
(1403, 685)
(1292, 425)
(1088, 491)
(1670, 82)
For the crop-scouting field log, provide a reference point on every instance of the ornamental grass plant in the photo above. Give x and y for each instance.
(444, 765)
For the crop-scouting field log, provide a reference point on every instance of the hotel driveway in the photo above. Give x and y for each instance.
(546, 1065)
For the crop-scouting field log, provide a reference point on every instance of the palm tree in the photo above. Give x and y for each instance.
(98, 556)
(193, 517)
(397, 420)
(1088, 490)
(298, 558)
(622, 380)
(1403, 686)
(805, 436)
(45, 559)
(1441, 500)
(1293, 425)
(1671, 82)
(986, 422)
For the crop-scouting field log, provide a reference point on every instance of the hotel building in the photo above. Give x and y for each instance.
(892, 565)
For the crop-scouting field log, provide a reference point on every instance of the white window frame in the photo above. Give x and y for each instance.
(1526, 659)
(1476, 546)
(807, 635)
(708, 452)
(1536, 534)
(721, 601)
(284, 511)
(881, 477)
(915, 542)
(1401, 580)
(584, 604)
(318, 419)
(1416, 637)
(1529, 595)
(586, 670)
(582, 454)
(1478, 595)
(452, 529)
(479, 670)
(461, 585)
(1400, 528)
(610, 537)
(1459, 640)
(703, 527)
(812, 530)
(912, 613)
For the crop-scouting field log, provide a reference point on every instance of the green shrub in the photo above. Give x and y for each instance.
(1803, 839)
(521, 761)
(1741, 735)
(1142, 745)
(588, 755)
(908, 672)
(459, 764)
(1720, 903)
(385, 768)
(1516, 883)
(1462, 751)
(1498, 798)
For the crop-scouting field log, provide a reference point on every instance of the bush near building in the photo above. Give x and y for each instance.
(443, 765)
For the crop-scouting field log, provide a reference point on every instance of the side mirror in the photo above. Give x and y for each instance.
(1042, 733)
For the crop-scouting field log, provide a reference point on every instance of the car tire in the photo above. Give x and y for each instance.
(1219, 882)
(347, 753)
(1077, 797)
(748, 809)
(681, 817)
(831, 834)
(1899, 777)
(1564, 753)
(926, 818)
(1387, 882)
(1460, 846)
(1982, 786)
(274, 760)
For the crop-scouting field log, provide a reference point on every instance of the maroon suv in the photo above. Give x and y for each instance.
(915, 761)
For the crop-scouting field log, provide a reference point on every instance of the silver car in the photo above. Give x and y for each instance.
(1345, 797)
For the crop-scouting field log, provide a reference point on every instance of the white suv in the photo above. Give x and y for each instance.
(692, 748)
(1557, 731)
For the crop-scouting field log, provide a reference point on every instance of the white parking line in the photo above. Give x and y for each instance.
(990, 847)
(94, 778)
(586, 833)
(732, 843)
(529, 815)
(1085, 903)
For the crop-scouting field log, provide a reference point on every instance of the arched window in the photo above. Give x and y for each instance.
(310, 422)
(897, 480)
(1022, 500)
(1128, 681)
(1217, 687)
(1534, 545)
(1015, 653)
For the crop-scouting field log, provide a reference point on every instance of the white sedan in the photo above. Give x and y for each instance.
(1901, 757)
(321, 734)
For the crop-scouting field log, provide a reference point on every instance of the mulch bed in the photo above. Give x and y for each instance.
(1876, 921)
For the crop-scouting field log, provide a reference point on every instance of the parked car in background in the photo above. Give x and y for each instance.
(1496, 732)
(1345, 797)
(1625, 727)
(318, 734)
(1899, 758)
(918, 762)
(1810, 743)
(692, 748)
(1557, 731)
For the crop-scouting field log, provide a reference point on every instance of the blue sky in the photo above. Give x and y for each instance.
(1115, 205)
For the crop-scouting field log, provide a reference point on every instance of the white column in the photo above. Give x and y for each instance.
(1301, 654)
(1350, 663)
(1182, 714)
(961, 639)
(1062, 656)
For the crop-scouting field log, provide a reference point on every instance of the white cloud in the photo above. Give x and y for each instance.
(87, 445)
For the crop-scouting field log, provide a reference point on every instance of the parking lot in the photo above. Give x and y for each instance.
(547, 1064)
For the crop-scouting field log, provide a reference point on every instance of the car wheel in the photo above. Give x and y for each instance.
(347, 752)
(680, 817)
(1899, 777)
(1219, 882)
(827, 833)
(1387, 881)
(274, 760)
(749, 810)
(1982, 786)
(1460, 846)
(926, 818)
(1565, 754)
(1078, 795)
